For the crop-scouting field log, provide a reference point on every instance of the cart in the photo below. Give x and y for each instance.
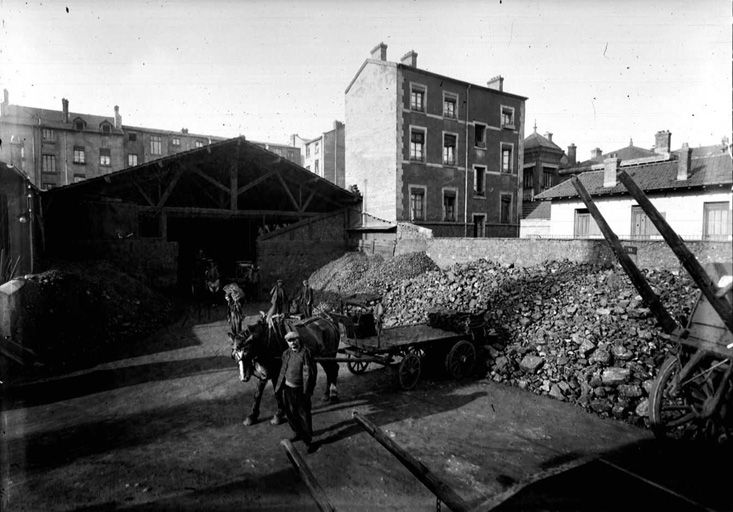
(692, 395)
(407, 348)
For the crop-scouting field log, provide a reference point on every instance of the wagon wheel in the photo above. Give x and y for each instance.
(676, 409)
(460, 360)
(356, 365)
(408, 372)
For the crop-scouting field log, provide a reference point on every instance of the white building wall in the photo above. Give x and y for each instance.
(683, 212)
(371, 140)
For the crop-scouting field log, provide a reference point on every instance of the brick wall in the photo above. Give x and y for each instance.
(296, 251)
(527, 252)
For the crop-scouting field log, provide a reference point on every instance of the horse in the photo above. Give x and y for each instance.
(258, 348)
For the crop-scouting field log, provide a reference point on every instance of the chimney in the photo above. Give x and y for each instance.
(65, 106)
(571, 155)
(596, 153)
(118, 118)
(379, 52)
(184, 130)
(683, 165)
(548, 136)
(496, 83)
(4, 104)
(610, 166)
(409, 59)
(662, 142)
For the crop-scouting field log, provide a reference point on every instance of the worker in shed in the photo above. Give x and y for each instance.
(278, 299)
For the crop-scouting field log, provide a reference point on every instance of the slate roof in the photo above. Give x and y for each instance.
(630, 152)
(536, 210)
(708, 171)
(55, 118)
(535, 140)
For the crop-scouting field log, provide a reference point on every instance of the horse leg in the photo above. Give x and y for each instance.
(252, 418)
(331, 369)
(279, 416)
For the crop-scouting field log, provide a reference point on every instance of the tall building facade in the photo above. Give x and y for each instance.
(324, 155)
(543, 160)
(59, 147)
(433, 150)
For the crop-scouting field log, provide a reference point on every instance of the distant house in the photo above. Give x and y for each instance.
(691, 189)
(18, 219)
(324, 155)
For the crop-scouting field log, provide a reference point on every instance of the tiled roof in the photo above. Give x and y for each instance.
(535, 140)
(630, 152)
(536, 210)
(658, 176)
(55, 118)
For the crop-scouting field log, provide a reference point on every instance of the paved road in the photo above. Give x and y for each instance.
(162, 431)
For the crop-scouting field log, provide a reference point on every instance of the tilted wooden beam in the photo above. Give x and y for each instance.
(708, 288)
(290, 194)
(142, 193)
(317, 492)
(171, 185)
(307, 201)
(233, 186)
(650, 298)
(256, 182)
(211, 180)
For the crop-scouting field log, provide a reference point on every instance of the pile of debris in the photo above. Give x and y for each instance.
(575, 332)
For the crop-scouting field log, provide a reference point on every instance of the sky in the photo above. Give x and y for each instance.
(597, 73)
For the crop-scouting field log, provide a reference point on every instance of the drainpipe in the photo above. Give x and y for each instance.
(465, 189)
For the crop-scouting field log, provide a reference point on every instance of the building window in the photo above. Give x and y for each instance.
(79, 155)
(479, 225)
(131, 160)
(507, 117)
(315, 167)
(199, 144)
(449, 205)
(585, 225)
(505, 215)
(479, 131)
(417, 98)
(642, 228)
(176, 141)
(48, 186)
(48, 163)
(417, 204)
(317, 147)
(307, 150)
(104, 157)
(449, 149)
(48, 135)
(106, 128)
(132, 137)
(156, 145)
(716, 221)
(528, 179)
(506, 157)
(417, 144)
(479, 180)
(547, 175)
(79, 125)
(449, 105)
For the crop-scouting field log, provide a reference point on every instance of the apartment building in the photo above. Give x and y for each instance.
(324, 155)
(433, 150)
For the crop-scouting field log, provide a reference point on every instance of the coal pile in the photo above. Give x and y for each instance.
(578, 333)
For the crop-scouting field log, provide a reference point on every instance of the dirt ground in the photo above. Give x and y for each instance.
(161, 430)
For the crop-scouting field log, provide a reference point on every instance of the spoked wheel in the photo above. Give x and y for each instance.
(682, 410)
(461, 359)
(408, 371)
(356, 365)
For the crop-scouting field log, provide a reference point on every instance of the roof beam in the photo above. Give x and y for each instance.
(307, 201)
(290, 194)
(171, 185)
(233, 186)
(185, 211)
(254, 183)
(142, 193)
(210, 180)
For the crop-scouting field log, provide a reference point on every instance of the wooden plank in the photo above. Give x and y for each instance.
(637, 278)
(290, 194)
(169, 189)
(142, 193)
(256, 182)
(688, 260)
(233, 187)
(315, 489)
(190, 211)
(307, 201)
(434, 484)
(210, 180)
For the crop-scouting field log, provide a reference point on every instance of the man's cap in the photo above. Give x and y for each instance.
(292, 335)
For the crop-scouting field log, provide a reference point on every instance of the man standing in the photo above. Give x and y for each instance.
(296, 382)
(278, 299)
(306, 300)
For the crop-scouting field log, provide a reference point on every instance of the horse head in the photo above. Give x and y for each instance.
(248, 350)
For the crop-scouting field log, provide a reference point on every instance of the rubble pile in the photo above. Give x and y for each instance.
(383, 277)
(343, 274)
(578, 333)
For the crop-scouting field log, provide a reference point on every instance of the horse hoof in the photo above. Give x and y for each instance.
(277, 420)
(249, 420)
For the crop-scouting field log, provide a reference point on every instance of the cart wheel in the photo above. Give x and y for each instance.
(460, 360)
(676, 409)
(408, 372)
(356, 366)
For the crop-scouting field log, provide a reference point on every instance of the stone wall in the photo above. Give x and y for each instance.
(527, 252)
(296, 251)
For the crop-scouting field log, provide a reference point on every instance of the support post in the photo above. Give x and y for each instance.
(688, 260)
(233, 187)
(637, 278)
(440, 489)
(319, 496)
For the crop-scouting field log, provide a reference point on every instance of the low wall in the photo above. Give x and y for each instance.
(527, 252)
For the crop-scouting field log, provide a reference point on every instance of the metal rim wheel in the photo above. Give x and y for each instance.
(408, 372)
(461, 359)
(675, 409)
(356, 365)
